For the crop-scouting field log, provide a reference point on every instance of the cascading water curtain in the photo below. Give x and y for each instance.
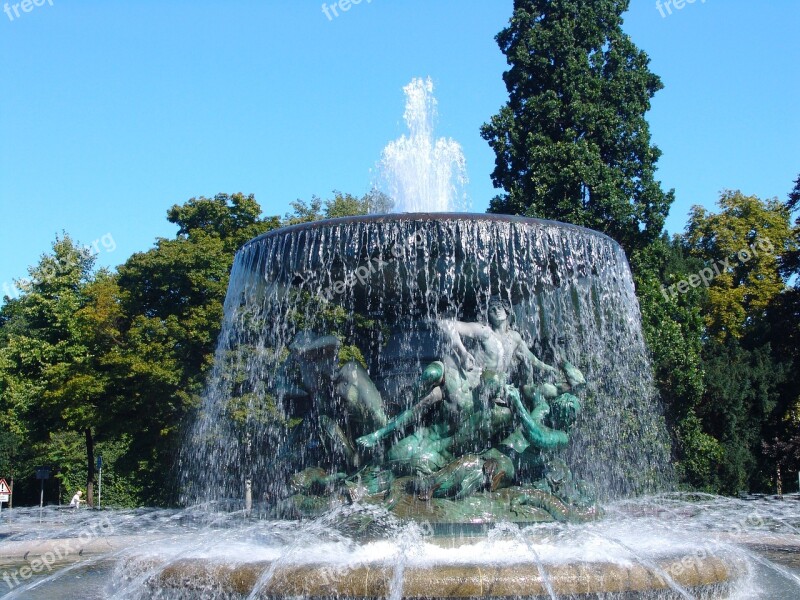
(376, 284)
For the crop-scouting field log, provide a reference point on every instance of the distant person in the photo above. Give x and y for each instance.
(76, 499)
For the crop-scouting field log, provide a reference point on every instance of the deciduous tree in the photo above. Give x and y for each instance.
(744, 243)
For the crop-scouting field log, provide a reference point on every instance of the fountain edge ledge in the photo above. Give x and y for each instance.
(426, 216)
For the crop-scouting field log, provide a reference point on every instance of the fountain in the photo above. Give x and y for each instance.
(417, 360)
(451, 370)
(425, 405)
(390, 357)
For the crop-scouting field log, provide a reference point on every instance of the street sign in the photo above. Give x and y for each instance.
(5, 492)
(99, 462)
(42, 472)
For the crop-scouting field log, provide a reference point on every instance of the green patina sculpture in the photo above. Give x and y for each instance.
(477, 444)
(346, 399)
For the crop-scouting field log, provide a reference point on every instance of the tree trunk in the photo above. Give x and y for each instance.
(90, 467)
(779, 481)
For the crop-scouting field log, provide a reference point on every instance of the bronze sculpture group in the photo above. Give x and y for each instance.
(477, 444)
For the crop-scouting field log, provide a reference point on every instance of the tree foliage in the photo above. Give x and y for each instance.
(172, 297)
(94, 362)
(749, 391)
(673, 328)
(341, 205)
(744, 242)
(572, 143)
(52, 376)
(113, 362)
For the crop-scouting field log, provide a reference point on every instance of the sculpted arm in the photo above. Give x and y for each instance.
(401, 421)
(456, 332)
(430, 388)
(529, 358)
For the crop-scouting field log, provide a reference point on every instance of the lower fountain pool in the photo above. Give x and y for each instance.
(666, 546)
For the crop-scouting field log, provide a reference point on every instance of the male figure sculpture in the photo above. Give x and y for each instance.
(480, 399)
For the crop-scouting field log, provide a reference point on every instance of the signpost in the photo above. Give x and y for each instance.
(42, 473)
(100, 486)
(5, 493)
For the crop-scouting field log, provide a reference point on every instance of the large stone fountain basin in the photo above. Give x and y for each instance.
(711, 577)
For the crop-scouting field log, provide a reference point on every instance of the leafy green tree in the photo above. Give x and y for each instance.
(341, 205)
(701, 455)
(743, 244)
(674, 330)
(98, 363)
(672, 324)
(232, 218)
(747, 383)
(172, 300)
(304, 212)
(50, 380)
(572, 143)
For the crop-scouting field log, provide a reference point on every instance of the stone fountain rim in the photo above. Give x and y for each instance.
(424, 216)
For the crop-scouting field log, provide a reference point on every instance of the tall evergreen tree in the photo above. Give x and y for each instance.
(572, 142)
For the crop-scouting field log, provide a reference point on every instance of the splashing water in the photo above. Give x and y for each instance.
(378, 283)
(419, 173)
(144, 554)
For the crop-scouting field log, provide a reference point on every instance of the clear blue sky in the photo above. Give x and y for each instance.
(112, 111)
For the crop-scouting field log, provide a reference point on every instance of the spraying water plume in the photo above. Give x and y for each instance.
(419, 173)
